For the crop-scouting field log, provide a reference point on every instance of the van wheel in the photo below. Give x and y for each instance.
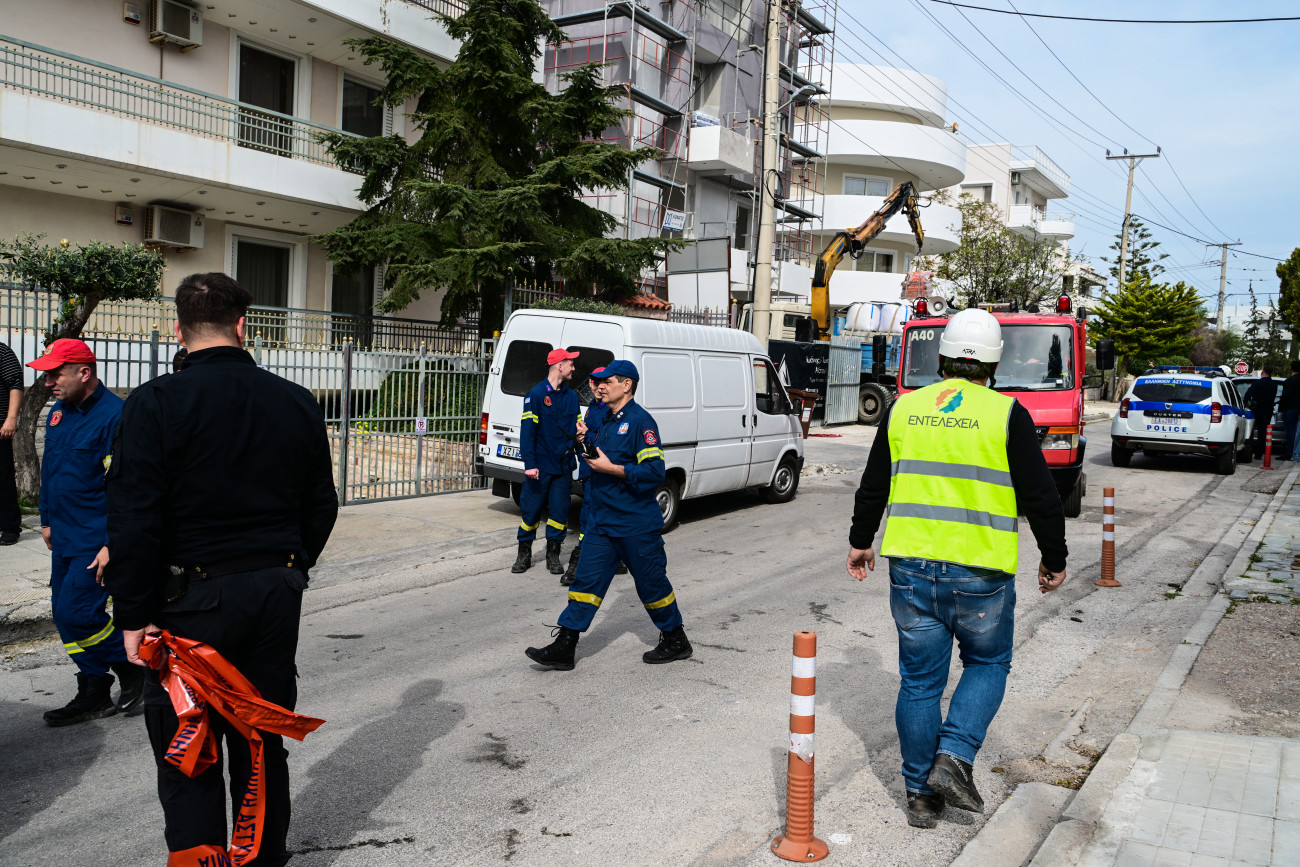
(872, 403)
(1073, 501)
(785, 483)
(1120, 456)
(1226, 463)
(669, 498)
(516, 490)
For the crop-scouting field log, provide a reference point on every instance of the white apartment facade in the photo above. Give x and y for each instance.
(208, 110)
(887, 126)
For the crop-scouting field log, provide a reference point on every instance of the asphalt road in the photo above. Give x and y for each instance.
(444, 744)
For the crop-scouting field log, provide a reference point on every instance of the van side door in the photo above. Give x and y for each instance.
(771, 425)
(722, 452)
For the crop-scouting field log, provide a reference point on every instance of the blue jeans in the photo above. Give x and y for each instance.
(933, 602)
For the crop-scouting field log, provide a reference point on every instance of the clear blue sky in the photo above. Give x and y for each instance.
(1221, 100)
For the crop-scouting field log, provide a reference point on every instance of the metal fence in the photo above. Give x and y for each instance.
(402, 422)
(78, 80)
(30, 311)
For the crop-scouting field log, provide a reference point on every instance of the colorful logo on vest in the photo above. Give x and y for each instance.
(948, 400)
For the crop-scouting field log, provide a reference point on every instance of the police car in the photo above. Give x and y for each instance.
(1183, 410)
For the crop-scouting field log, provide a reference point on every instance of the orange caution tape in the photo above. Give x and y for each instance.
(197, 679)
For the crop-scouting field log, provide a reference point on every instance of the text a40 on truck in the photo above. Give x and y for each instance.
(1042, 367)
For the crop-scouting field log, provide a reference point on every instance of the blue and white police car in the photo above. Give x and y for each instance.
(1183, 410)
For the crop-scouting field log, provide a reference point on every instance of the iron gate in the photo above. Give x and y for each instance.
(843, 372)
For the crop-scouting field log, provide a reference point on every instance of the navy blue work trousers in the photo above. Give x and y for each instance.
(550, 493)
(81, 615)
(645, 559)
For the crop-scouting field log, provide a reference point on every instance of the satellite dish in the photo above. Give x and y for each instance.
(938, 306)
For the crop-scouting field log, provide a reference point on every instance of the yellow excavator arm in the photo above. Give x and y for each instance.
(852, 242)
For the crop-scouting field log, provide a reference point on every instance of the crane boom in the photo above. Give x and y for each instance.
(852, 242)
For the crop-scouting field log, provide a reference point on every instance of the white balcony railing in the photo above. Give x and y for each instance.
(1054, 224)
(67, 78)
(1033, 158)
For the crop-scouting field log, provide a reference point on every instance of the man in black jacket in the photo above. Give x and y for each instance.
(1259, 399)
(1289, 406)
(220, 498)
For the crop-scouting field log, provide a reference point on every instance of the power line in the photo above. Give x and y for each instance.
(1122, 20)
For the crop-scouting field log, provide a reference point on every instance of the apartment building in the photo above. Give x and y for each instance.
(1029, 189)
(887, 126)
(691, 74)
(193, 127)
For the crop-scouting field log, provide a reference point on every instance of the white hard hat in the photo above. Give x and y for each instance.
(972, 334)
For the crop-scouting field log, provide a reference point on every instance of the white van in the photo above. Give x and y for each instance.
(725, 421)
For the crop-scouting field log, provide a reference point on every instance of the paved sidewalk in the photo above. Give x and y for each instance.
(1165, 796)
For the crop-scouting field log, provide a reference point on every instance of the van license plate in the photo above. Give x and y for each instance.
(511, 452)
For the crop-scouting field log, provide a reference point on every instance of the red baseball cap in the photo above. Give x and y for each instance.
(66, 350)
(555, 356)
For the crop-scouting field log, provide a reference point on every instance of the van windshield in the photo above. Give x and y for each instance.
(525, 366)
(1034, 357)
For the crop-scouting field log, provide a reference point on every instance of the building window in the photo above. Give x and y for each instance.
(360, 114)
(266, 80)
(862, 185)
(979, 192)
(874, 260)
(262, 267)
(741, 237)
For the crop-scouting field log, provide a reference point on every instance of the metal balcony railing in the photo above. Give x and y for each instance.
(450, 8)
(68, 78)
(1036, 159)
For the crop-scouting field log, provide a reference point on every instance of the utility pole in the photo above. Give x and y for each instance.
(771, 147)
(1223, 282)
(1133, 160)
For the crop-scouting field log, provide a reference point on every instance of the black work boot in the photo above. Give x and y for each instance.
(621, 569)
(553, 564)
(672, 646)
(525, 558)
(567, 578)
(131, 679)
(923, 810)
(955, 780)
(91, 702)
(559, 653)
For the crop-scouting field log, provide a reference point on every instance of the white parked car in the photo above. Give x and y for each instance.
(1183, 410)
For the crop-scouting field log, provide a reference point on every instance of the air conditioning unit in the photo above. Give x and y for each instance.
(1015, 178)
(178, 23)
(173, 227)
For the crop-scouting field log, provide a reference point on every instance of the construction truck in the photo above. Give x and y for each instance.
(877, 326)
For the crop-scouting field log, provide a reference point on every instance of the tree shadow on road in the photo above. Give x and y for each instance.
(354, 781)
(40, 764)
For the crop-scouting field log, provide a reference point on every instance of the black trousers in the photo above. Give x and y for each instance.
(1262, 421)
(251, 618)
(10, 518)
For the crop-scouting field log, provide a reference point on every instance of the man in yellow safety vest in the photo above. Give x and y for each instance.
(950, 465)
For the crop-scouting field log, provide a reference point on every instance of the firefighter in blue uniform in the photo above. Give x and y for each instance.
(625, 524)
(588, 432)
(74, 524)
(547, 431)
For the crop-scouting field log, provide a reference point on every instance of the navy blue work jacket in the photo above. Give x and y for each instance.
(549, 428)
(78, 451)
(627, 507)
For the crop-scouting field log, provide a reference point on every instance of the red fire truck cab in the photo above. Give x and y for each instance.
(1042, 366)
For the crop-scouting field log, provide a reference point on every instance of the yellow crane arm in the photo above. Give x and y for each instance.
(852, 242)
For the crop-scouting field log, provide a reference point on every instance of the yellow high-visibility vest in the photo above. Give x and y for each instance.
(950, 493)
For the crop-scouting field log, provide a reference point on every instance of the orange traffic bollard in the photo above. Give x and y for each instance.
(1268, 449)
(798, 842)
(1107, 578)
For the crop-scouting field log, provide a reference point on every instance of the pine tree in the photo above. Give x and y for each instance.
(1251, 333)
(1149, 321)
(488, 194)
(1288, 302)
(1143, 259)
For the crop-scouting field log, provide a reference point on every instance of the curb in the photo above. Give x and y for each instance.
(1081, 818)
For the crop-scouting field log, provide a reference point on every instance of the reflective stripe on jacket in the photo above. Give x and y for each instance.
(950, 492)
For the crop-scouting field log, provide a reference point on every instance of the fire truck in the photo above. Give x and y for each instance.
(1042, 366)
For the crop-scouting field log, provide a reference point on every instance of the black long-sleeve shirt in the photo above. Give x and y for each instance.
(1260, 397)
(1290, 393)
(220, 461)
(1036, 493)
